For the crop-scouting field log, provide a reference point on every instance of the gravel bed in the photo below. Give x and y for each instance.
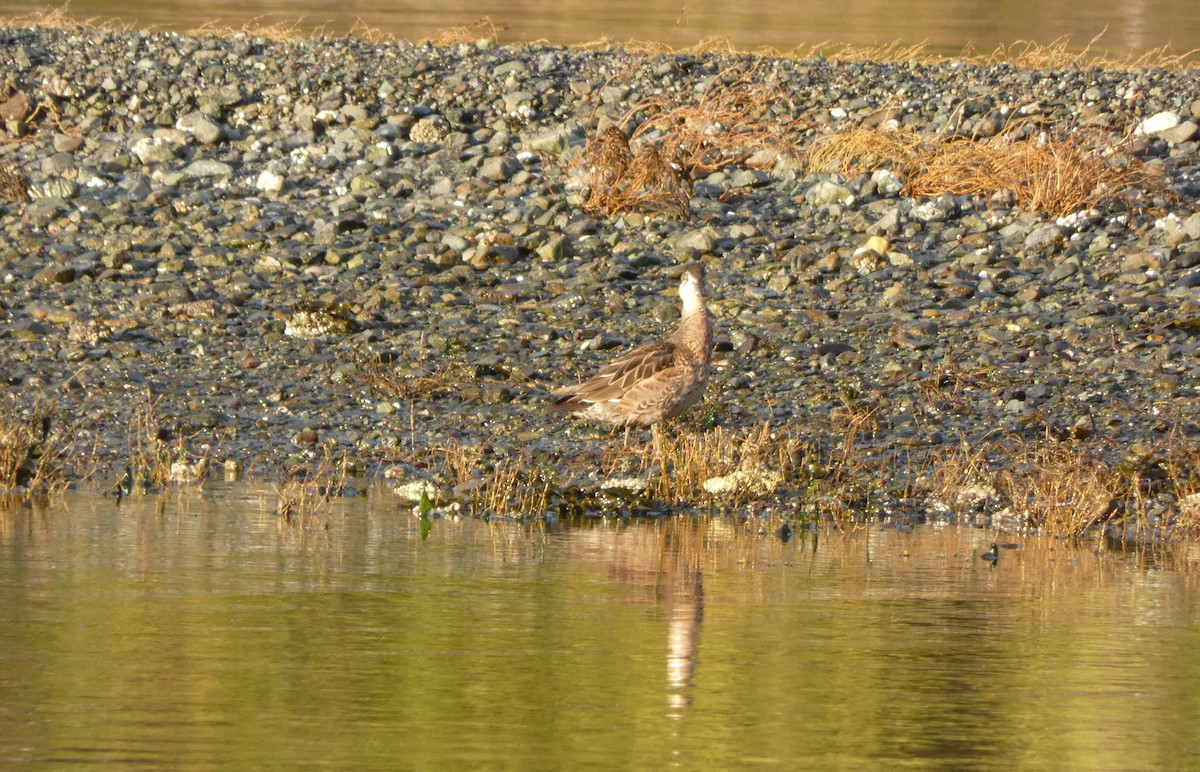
(237, 230)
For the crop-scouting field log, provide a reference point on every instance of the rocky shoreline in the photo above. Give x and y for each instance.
(242, 238)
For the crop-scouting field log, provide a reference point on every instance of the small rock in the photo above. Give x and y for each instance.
(1044, 238)
(1157, 123)
(826, 192)
(269, 182)
(208, 168)
(499, 168)
(204, 129)
(152, 150)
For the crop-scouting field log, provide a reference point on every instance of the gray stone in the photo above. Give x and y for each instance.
(499, 168)
(206, 167)
(153, 150)
(827, 192)
(203, 128)
(1045, 238)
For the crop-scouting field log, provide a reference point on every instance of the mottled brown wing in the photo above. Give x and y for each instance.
(619, 375)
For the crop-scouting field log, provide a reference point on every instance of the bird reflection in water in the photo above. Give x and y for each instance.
(684, 602)
(663, 558)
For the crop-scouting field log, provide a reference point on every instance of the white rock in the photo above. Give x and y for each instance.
(1158, 122)
(154, 150)
(410, 492)
(887, 182)
(634, 485)
(269, 182)
(756, 482)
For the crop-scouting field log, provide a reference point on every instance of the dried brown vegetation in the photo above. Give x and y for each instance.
(1053, 173)
(59, 17)
(255, 27)
(160, 455)
(480, 29)
(419, 380)
(30, 452)
(1060, 53)
(504, 489)
(700, 467)
(303, 501)
(677, 140)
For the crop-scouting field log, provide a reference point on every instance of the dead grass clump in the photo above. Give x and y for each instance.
(29, 454)
(677, 140)
(512, 492)
(506, 489)
(156, 457)
(623, 182)
(1058, 54)
(721, 465)
(303, 501)
(417, 382)
(59, 18)
(277, 31)
(480, 29)
(885, 52)
(1064, 490)
(1055, 174)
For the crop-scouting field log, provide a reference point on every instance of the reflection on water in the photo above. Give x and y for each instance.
(199, 631)
(945, 28)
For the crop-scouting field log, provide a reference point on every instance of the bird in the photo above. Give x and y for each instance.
(655, 381)
(992, 555)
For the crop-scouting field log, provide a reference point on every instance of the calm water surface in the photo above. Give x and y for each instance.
(1128, 26)
(199, 632)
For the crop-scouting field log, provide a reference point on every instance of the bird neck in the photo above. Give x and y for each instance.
(695, 331)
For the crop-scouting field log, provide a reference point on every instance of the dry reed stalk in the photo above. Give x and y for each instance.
(481, 29)
(29, 454)
(301, 501)
(693, 466)
(277, 31)
(1063, 490)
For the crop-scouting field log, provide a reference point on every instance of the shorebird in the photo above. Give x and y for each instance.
(655, 381)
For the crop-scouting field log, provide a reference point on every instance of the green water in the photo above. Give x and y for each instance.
(198, 631)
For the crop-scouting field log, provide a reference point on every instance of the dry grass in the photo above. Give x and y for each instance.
(1063, 490)
(480, 29)
(1059, 54)
(620, 181)
(677, 140)
(302, 502)
(59, 18)
(512, 492)
(703, 467)
(420, 380)
(1053, 173)
(1066, 488)
(156, 461)
(278, 31)
(505, 489)
(30, 452)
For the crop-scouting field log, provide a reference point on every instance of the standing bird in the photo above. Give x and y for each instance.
(656, 380)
